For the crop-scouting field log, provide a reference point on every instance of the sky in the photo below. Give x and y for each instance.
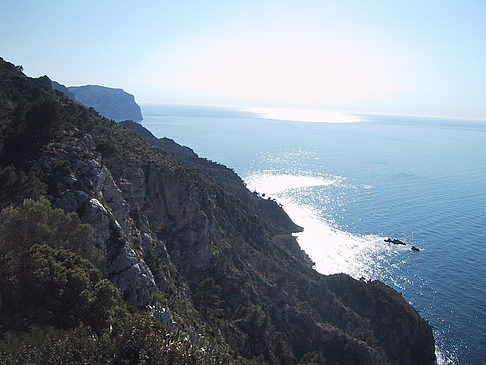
(399, 57)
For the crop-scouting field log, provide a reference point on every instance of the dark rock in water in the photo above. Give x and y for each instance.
(395, 241)
(415, 249)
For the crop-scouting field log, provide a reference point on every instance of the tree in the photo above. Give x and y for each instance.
(35, 221)
(47, 286)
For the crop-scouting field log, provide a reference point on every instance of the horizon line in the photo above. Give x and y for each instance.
(357, 113)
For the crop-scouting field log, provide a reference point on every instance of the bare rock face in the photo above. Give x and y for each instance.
(111, 103)
(130, 273)
(96, 215)
(99, 202)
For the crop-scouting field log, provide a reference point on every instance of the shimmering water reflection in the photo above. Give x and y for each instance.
(332, 250)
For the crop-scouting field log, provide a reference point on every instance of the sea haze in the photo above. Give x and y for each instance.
(350, 185)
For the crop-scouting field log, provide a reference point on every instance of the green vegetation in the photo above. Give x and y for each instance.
(35, 222)
(46, 286)
(57, 307)
(138, 339)
(16, 185)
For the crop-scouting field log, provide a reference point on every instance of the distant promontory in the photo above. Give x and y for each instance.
(111, 103)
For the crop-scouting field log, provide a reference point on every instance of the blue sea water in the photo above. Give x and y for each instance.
(350, 185)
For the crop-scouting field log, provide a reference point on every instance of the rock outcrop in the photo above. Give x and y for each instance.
(184, 234)
(395, 241)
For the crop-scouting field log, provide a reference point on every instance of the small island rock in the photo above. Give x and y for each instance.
(395, 241)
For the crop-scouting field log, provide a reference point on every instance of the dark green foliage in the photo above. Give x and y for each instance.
(207, 297)
(42, 285)
(15, 186)
(141, 338)
(313, 358)
(137, 339)
(31, 129)
(36, 222)
(48, 345)
(106, 147)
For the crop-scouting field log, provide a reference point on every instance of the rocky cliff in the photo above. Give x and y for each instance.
(111, 103)
(184, 234)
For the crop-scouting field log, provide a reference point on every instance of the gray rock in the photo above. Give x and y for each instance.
(114, 198)
(131, 275)
(97, 216)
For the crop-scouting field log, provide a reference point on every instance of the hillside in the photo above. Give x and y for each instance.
(124, 248)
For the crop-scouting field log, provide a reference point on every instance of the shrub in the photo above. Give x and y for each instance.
(15, 186)
(35, 221)
(136, 340)
(106, 147)
(54, 287)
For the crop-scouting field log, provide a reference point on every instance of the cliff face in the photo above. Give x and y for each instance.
(183, 233)
(111, 103)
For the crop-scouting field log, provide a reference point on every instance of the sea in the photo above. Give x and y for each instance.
(352, 180)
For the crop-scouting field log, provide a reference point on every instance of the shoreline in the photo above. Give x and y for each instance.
(302, 216)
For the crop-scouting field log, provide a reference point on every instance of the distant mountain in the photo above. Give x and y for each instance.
(111, 103)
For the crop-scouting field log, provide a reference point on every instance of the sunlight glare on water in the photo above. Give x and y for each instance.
(306, 115)
(332, 250)
(273, 184)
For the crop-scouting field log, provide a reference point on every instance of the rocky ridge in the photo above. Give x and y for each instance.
(184, 234)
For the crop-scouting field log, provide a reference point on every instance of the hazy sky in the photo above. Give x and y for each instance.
(411, 57)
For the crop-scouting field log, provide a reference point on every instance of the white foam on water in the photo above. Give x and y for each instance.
(443, 359)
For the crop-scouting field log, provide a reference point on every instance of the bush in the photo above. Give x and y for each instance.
(136, 340)
(35, 221)
(106, 147)
(33, 127)
(54, 287)
(15, 186)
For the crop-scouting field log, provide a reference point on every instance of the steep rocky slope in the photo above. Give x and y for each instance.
(183, 234)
